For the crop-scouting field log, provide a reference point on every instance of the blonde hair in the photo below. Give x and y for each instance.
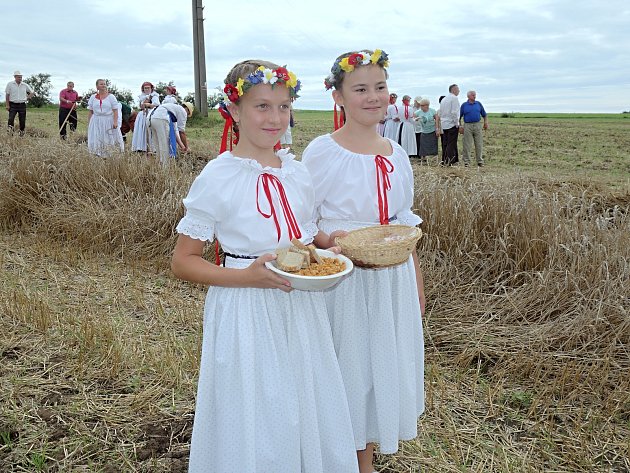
(424, 102)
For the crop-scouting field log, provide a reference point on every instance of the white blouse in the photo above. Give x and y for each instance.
(346, 183)
(102, 107)
(155, 98)
(231, 194)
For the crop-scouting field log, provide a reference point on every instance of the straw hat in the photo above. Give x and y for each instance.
(17, 73)
(190, 108)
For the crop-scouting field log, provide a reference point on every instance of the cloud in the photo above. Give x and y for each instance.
(169, 47)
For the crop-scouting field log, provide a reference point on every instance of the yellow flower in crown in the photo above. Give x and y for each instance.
(345, 66)
(239, 86)
(292, 82)
(376, 56)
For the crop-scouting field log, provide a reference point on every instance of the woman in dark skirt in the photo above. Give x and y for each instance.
(429, 122)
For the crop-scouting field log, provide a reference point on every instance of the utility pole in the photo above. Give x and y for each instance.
(201, 87)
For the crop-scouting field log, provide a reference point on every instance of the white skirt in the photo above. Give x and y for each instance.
(139, 138)
(407, 138)
(103, 138)
(391, 130)
(270, 396)
(377, 331)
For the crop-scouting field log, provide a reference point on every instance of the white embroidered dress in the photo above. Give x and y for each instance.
(391, 127)
(139, 138)
(103, 138)
(270, 395)
(375, 314)
(407, 130)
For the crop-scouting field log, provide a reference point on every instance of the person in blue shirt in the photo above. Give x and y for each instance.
(471, 112)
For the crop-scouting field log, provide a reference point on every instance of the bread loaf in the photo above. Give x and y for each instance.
(289, 261)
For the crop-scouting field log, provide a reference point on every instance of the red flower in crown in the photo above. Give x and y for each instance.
(282, 74)
(355, 59)
(231, 92)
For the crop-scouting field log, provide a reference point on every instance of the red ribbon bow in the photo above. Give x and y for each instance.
(268, 181)
(383, 168)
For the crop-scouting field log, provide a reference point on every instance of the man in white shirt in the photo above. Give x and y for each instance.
(449, 119)
(17, 93)
(161, 119)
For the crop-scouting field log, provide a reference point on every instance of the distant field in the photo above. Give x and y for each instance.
(589, 146)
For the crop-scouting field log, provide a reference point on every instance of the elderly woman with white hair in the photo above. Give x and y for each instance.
(429, 124)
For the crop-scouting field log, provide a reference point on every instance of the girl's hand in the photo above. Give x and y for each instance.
(257, 275)
(334, 235)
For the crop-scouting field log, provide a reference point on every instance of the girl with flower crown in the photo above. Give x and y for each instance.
(270, 395)
(363, 179)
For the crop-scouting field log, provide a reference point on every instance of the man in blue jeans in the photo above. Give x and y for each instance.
(471, 112)
(17, 93)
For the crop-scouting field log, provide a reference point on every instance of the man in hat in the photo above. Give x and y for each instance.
(17, 93)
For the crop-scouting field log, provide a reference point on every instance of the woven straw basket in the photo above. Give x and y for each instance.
(380, 246)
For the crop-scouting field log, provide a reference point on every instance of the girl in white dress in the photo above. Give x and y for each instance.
(270, 396)
(170, 94)
(392, 119)
(363, 179)
(407, 130)
(147, 100)
(104, 136)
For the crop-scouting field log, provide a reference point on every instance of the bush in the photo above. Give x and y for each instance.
(41, 87)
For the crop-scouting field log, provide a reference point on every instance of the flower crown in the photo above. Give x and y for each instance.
(348, 63)
(263, 75)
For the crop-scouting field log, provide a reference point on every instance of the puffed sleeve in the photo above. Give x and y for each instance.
(316, 159)
(90, 104)
(207, 200)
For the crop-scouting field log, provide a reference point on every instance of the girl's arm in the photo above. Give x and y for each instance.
(188, 264)
(324, 241)
(115, 118)
(419, 282)
(90, 113)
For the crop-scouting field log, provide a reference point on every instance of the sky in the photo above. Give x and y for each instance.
(520, 56)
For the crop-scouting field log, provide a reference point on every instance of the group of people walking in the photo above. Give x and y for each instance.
(417, 128)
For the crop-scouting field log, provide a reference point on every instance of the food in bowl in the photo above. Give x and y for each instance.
(314, 276)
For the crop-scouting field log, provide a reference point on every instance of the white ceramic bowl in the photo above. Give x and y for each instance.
(314, 283)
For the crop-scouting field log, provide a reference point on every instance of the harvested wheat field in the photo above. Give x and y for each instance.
(527, 273)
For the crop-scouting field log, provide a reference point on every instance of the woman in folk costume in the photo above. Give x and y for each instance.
(104, 136)
(170, 96)
(147, 101)
(270, 396)
(392, 119)
(363, 179)
(406, 131)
